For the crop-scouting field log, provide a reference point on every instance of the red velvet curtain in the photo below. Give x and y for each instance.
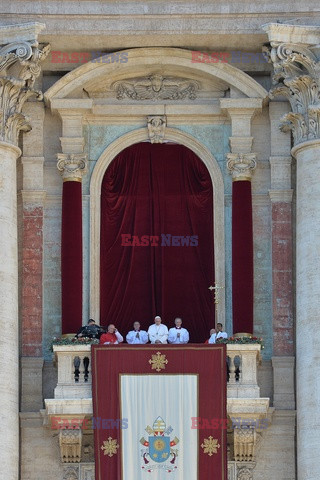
(71, 257)
(242, 257)
(157, 190)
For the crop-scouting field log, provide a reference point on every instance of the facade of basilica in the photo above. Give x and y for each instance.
(238, 84)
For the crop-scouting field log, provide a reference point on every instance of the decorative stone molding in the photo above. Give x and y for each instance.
(244, 444)
(19, 68)
(240, 471)
(296, 76)
(83, 471)
(71, 473)
(241, 165)
(70, 442)
(281, 196)
(157, 87)
(245, 473)
(156, 128)
(240, 144)
(72, 166)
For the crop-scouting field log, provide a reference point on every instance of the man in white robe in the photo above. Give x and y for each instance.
(137, 336)
(178, 334)
(220, 334)
(158, 333)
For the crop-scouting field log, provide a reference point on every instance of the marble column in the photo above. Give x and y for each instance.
(19, 69)
(295, 54)
(241, 163)
(241, 167)
(9, 343)
(72, 167)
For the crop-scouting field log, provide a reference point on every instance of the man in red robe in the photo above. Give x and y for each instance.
(112, 336)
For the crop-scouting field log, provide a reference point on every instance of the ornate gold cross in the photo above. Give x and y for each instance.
(216, 289)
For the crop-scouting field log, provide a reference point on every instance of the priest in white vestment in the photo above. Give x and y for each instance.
(178, 334)
(137, 336)
(158, 333)
(220, 334)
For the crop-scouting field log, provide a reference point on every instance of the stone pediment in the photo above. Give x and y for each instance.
(177, 76)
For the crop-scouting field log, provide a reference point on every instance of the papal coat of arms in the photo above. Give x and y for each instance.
(158, 451)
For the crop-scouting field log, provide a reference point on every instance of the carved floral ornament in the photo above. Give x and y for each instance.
(157, 87)
(241, 165)
(297, 77)
(19, 68)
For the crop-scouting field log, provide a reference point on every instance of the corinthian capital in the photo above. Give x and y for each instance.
(72, 166)
(297, 77)
(241, 165)
(19, 67)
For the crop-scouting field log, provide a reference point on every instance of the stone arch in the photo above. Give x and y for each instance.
(142, 59)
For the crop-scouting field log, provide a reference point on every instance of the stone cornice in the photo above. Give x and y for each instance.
(20, 58)
(304, 34)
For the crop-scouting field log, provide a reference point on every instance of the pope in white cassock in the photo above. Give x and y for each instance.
(137, 336)
(158, 333)
(178, 334)
(219, 334)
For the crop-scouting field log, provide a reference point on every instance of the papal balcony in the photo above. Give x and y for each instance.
(72, 403)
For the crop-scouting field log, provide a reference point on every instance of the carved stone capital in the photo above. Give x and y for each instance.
(72, 166)
(70, 442)
(19, 67)
(297, 77)
(241, 165)
(156, 127)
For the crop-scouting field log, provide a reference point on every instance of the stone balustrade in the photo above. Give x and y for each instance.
(74, 371)
(243, 366)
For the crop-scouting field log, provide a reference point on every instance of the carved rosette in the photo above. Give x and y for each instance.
(156, 128)
(241, 165)
(297, 77)
(70, 441)
(19, 68)
(72, 166)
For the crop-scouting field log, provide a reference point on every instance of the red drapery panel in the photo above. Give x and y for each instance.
(157, 190)
(71, 257)
(242, 257)
(208, 362)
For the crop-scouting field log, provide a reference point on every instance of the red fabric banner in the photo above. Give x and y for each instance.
(208, 362)
(71, 257)
(242, 257)
(150, 191)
